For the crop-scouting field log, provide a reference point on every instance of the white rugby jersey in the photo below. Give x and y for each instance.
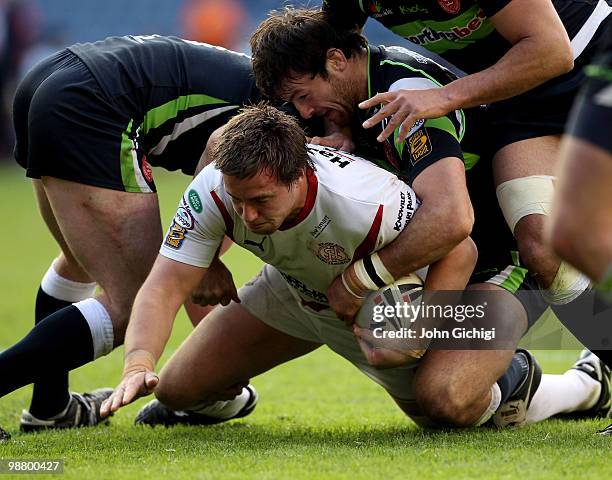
(352, 208)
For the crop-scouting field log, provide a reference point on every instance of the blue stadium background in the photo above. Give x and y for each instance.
(89, 20)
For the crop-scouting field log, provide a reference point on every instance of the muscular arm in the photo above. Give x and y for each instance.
(540, 51)
(155, 307)
(443, 220)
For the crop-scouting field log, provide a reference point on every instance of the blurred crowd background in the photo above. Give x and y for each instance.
(32, 29)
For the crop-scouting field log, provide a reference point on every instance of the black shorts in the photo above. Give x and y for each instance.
(67, 128)
(591, 118)
(498, 259)
(544, 110)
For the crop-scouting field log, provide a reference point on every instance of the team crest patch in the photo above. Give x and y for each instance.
(419, 145)
(176, 236)
(331, 253)
(450, 6)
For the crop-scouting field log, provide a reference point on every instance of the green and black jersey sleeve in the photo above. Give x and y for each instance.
(458, 30)
(177, 92)
(395, 68)
(461, 31)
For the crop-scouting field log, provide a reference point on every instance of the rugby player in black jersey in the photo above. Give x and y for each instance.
(334, 72)
(524, 58)
(90, 122)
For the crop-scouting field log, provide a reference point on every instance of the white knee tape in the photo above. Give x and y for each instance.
(524, 196)
(567, 285)
(100, 325)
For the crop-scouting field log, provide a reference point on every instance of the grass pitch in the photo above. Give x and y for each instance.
(318, 416)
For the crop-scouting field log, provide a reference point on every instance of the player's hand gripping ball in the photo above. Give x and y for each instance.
(383, 325)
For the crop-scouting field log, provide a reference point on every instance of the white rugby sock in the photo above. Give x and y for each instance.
(573, 391)
(56, 286)
(100, 324)
(224, 408)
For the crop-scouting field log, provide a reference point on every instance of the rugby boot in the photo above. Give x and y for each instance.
(83, 410)
(513, 412)
(156, 413)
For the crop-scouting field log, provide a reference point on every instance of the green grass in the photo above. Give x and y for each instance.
(318, 417)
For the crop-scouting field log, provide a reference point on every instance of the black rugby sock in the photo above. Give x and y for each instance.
(61, 342)
(50, 396)
(514, 376)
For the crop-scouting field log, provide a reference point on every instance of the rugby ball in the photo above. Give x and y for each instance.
(388, 313)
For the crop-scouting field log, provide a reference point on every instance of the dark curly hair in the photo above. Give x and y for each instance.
(295, 41)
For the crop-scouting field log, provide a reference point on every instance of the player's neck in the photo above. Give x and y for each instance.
(301, 193)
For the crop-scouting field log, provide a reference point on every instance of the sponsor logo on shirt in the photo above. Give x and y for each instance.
(195, 201)
(375, 10)
(406, 10)
(419, 146)
(400, 213)
(318, 230)
(256, 244)
(450, 6)
(406, 206)
(176, 236)
(456, 33)
(331, 253)
(304, 290)
(184, 217)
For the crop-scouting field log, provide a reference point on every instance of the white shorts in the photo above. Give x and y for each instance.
(269, 298)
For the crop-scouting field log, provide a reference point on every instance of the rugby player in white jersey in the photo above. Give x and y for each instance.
(308, 212)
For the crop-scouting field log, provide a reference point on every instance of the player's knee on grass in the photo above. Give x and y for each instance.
(448, 403)
(179, 395)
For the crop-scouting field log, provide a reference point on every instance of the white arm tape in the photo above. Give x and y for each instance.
(381, 270)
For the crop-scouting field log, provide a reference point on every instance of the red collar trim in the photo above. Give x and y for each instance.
(311, 196)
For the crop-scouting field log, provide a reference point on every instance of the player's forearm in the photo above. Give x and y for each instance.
(431, 234)
(453, 271)
(148, 330)
(526, 65)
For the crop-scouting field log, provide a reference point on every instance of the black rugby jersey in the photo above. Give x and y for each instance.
(176, 92)
(458, 30)
(393, 68)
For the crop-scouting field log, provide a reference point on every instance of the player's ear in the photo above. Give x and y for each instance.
(335, 60)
